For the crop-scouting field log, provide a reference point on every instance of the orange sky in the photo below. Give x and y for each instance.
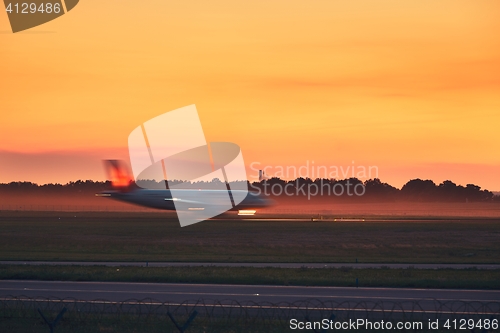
(412, 87)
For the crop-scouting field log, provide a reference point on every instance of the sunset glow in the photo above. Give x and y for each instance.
(412, 87)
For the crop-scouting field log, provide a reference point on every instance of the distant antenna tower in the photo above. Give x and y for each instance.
(262, 175)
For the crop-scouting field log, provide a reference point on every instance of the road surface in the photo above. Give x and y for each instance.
(428, 299)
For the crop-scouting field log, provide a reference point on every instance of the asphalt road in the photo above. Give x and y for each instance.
(257, 265)
(178, 293)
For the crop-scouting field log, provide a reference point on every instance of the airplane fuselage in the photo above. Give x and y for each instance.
(184, 199)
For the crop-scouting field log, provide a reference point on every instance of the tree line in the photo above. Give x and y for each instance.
(416, 190)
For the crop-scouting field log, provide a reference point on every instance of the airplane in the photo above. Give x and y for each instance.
(124, 188)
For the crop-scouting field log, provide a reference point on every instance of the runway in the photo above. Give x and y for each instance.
(178, 293)
(256, 265)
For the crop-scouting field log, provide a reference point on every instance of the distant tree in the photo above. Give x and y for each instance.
(376, 190)
(419, 190)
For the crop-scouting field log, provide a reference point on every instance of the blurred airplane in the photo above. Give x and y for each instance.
(125, 189)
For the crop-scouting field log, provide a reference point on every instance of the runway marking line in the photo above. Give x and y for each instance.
(253, 294)
(255, 286)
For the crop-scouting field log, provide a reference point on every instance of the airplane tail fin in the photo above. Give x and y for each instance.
(118, 174)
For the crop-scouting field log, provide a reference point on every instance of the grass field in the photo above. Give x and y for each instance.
(158, 237)
(411, 278)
